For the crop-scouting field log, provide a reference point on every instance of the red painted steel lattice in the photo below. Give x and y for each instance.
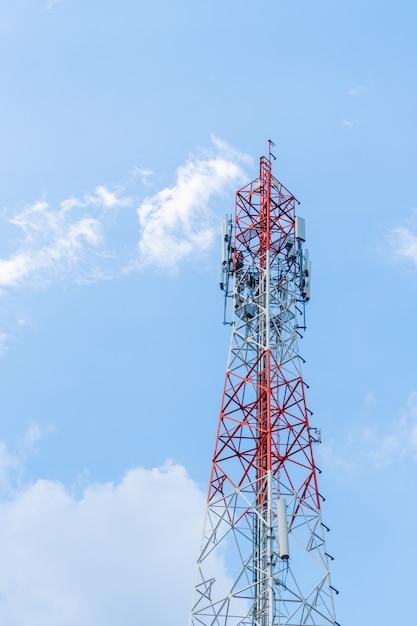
(263, 560)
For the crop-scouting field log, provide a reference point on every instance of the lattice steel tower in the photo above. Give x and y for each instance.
(263, 559)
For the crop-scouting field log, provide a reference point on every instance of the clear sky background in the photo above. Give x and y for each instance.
(126, 128)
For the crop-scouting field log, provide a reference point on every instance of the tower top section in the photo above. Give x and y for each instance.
(265, 231)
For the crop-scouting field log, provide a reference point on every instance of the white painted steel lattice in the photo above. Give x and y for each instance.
(263, 559)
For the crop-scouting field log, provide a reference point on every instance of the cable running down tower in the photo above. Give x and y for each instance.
(263, 558)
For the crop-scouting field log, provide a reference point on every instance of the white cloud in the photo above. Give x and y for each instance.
(350, 123)
(144, 174)
(8, 464)
(59, 242)
(72, 240)
(67, 249)
(97, 236)
(178, 221)
(121, 554)
(101, 198)
(359, 90)
(403, 240)
(400, 442)
(3, 343)
(12, 463)
(32, 436)
(370, 399)
(330, 458)
(371, 444)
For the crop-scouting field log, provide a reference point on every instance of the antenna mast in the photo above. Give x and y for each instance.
(263, 559)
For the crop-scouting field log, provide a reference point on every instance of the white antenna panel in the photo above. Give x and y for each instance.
(300, 228)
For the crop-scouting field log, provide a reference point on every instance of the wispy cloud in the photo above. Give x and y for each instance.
(373, 444)
(72, 240)
(350, 123)
(400, 442)
(3, 343)
(329, 456)
(101, 235)
(144, 174)
(13, 463)
(354, 93)
(358, 90)
(56, 241)
(32, 436)
(178, 221)
(402, 240)
(52, 3)
(9, 463)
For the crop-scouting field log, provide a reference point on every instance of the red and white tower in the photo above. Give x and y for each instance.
(263, 559)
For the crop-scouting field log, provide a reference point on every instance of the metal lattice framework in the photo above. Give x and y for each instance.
(263, 559)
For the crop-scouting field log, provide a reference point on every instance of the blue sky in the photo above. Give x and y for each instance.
(126, 128)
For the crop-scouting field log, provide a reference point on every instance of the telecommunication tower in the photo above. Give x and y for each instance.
(263, 558)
